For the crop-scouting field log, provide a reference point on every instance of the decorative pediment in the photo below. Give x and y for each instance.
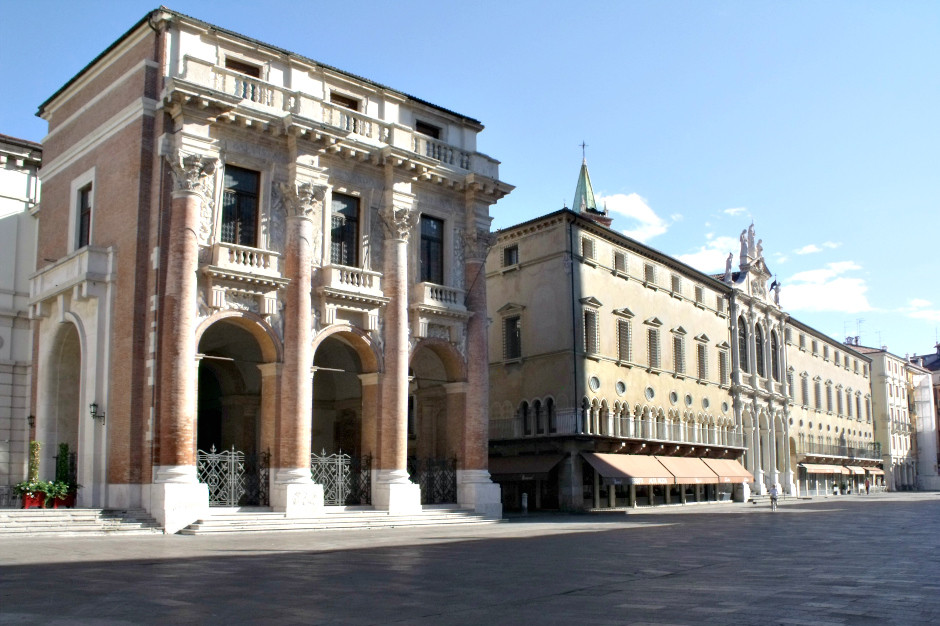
(591, 301)
(653, 321)
(724, 345)
(624, 312)
(678, 330)
(703, 338)
(509, 308)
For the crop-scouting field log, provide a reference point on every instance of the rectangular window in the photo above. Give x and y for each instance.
(240, 206)
(828, 398)
(590, 332)
(815, 347)
(624, 340)
(699, 295)
(790, 390)
(510, 256)
(427, 129)
(825, 353)
(587, 248)
(649, 273)
(802, 341)
(678, 354)
(818, 395)
(837, 358)
(839, 402)
(512, 338)
(344, 237)
(84, 216)
(243, 68)
(344, 101)
(721, 304)
(804, 383)
(723, 367)
(432, 250)
(652, 347)
(702, 362)
(848, 404)
(676, 284)
(620, 262)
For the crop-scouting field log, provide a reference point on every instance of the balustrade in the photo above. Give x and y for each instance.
(245, 259)
(430, 294)
(352, 279)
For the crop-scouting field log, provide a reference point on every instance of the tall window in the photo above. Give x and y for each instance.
(829, 397)
(624, 340)
(742, 345)
(550, 411)
(774, 356)
(702, 361)
(510, 255)
(804, 388)
(652, 347)
(512, 338)
(432, 250)
(240, 206)
(587, 248)
(723, 372)
(344, 237)
(524, 414)
(620, 261)
(590, 332)
(84, 216)
(649, 273)
(759, 350)
(678, 354)
(790, 390)
(818, 395)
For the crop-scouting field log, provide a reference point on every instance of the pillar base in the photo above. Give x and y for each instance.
(176, 499)
(393, 492)
(741, 492)
(295, 494)
(475, 490)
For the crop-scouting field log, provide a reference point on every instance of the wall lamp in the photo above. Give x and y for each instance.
(93, 407)
(31, 420)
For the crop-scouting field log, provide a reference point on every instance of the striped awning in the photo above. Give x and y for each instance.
(816, 468)
(729, 471)
(855, 469)
(875, 470)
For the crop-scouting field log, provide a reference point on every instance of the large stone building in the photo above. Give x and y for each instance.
(924, 421)
(243, 249)
(19, 197)
(620, 375)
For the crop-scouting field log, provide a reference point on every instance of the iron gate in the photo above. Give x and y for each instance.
(436, 477)
(233, 477)
(345, 480)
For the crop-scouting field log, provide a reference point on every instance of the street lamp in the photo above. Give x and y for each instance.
(94, 412)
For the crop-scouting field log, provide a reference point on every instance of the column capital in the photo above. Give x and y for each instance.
(399, 221)
(477, 244)
(302, 199)
(191, 171)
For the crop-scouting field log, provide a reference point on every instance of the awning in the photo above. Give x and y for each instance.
(875, 470)
(525, 467)
(855, 469)
(729, 470)
(629, 469)
(689, 470)
(813, 468)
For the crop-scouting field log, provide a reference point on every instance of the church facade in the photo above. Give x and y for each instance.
(244, 251)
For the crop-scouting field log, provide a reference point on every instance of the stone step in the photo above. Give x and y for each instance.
(26, 522)
(339, 520)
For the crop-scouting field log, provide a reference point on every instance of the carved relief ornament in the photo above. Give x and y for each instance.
(303, 199)
(191, 172)
(399, 220)
(478, 243)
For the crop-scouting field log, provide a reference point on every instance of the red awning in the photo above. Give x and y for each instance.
(729, 470)
(689, 470)
(629, 469)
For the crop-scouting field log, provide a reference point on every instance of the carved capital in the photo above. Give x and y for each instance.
(400, 221)
(191, 171)
(478, 243)
(304, 199)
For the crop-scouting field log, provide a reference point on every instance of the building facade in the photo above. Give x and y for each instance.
(924, 422)
(19, 199)
(244, 250)
(610, 369)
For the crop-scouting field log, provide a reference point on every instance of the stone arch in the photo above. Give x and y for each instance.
(268, 341)
(357, 339)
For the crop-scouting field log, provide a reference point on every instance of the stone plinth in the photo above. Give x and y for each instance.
(393, 492)
(475, 490)
(295, 494)
(176, 499)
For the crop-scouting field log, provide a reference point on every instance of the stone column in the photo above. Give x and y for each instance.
(177, 498)
(293, 490)
(391, 489)
(270, 403)
(370, 413)
(475, 489)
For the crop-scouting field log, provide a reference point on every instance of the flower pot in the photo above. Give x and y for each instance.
(34, 500)
(67, 502)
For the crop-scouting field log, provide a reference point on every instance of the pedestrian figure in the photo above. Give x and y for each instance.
(773, 497)
(867, 486)
(835, 489)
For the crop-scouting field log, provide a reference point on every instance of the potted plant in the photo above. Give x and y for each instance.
(32, 489)
(65, 488)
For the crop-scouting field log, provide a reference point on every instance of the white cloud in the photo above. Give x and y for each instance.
(644, 223)
(918, 303)
(809, 249)
(711, 257)
(832, 245)
(826, 289)
(919, 309)
(735, 211)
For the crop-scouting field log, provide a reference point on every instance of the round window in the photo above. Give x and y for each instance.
(705, 403)
(673, 397)
(724, 407)
(621, 387)
(688, 400)
(650, 393)
(595, 383)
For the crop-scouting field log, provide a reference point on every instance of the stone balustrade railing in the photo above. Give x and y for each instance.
(246, 260)
(262, 95)
(431, 294)
(352, 279)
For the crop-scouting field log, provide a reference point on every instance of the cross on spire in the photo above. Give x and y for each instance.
(583, 154)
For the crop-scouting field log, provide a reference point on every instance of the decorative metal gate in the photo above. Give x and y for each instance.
(233, 477)
(436, 477)
(345, 480)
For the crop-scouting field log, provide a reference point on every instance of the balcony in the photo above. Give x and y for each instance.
(439, 298)
(201, 79)
(244, 260)
(351, 282)
(571, 422)
(80, 273)
(871, 452)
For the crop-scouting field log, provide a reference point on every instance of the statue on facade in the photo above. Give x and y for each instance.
(760, 249)
(728, 261)
(750, 239)
(743, 247)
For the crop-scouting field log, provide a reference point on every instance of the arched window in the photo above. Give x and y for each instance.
(742, 345)
(539, 424)
(524, 414)
(550, 410)
(774, 356)
(759, 350)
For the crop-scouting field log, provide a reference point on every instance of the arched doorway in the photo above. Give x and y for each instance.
(436, 406)
(234, 435)
(60, 411)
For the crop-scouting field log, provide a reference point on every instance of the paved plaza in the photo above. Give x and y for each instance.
(840, 560)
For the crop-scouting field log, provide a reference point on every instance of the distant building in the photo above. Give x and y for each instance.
(931, 364)
(251, 260)
(19, 200)
(621, 376)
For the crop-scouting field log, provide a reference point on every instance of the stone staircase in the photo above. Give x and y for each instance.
(340, 518)
(74, 522)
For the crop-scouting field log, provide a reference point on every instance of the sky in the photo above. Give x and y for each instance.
(816, 121)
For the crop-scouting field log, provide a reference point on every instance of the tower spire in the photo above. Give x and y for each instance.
(584, 201)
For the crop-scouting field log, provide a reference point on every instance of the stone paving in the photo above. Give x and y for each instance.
(839, 560)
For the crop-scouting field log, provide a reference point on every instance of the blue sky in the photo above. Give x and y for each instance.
(818, 121)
